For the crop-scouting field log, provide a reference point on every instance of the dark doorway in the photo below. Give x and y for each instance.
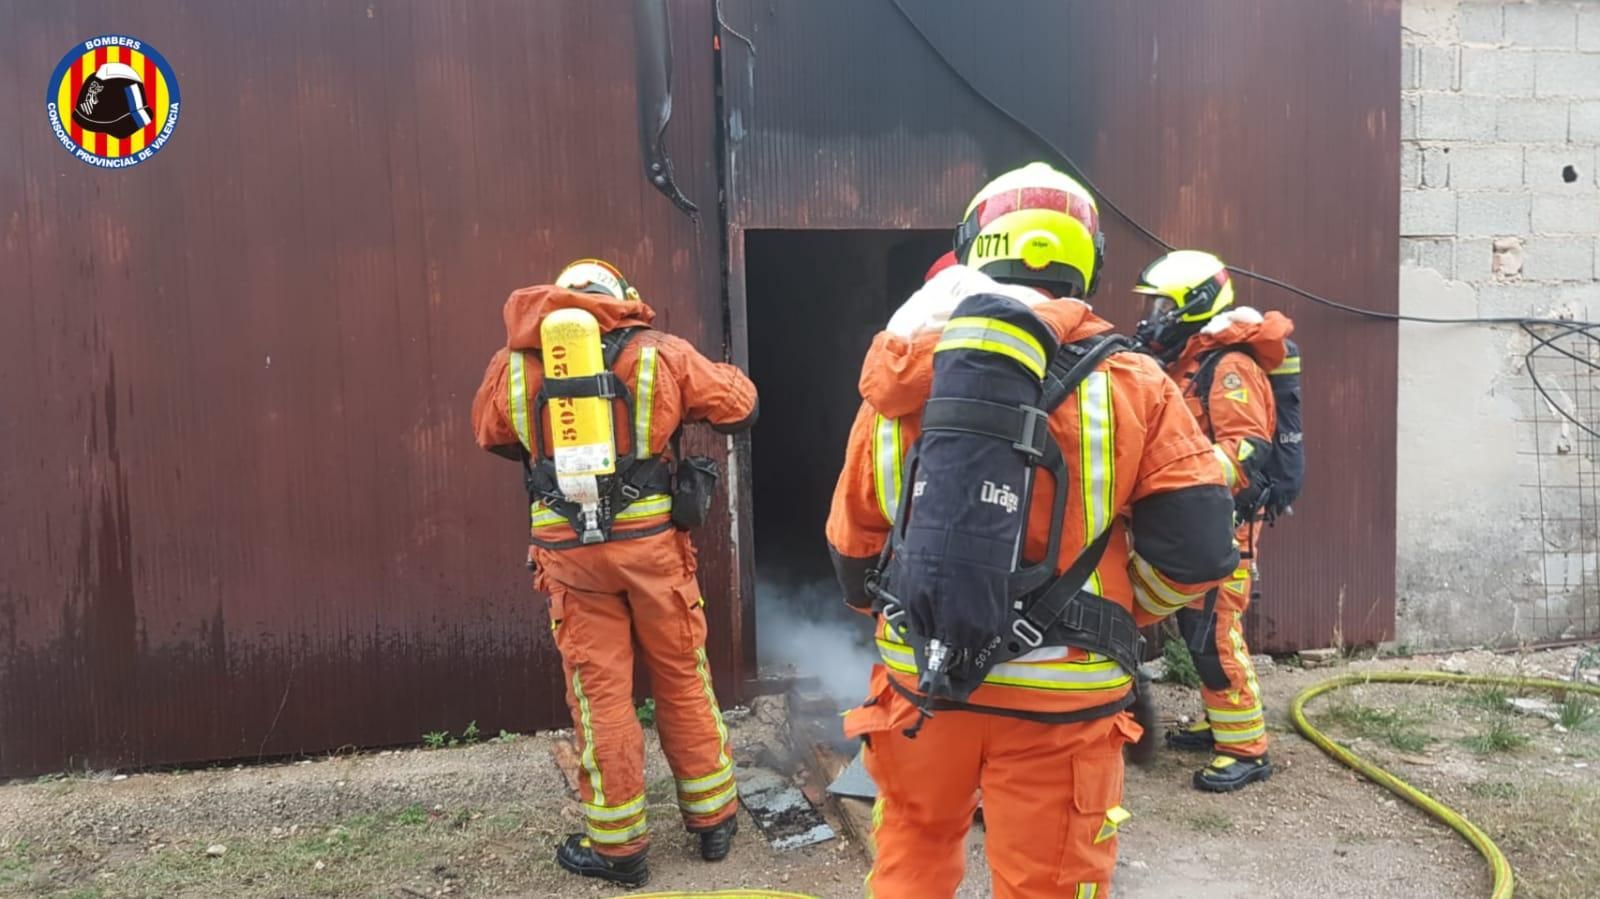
(815, 300)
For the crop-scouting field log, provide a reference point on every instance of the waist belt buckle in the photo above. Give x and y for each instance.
(1027, 633)
(1035, 425)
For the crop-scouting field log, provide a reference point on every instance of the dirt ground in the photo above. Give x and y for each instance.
(480, 821)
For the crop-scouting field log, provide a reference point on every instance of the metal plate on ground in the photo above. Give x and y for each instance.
(781, 811)
(854, 781)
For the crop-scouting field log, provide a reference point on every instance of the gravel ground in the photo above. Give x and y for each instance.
(480, 821)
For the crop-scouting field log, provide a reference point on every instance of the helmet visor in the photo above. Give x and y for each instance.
(1161, 306)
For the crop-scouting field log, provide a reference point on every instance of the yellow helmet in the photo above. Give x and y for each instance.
(1190, 288)
(596, 276)
(1036, 226)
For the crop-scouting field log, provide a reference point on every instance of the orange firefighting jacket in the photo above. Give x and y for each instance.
(1238, 415)
(671, 382)
(1138, 459)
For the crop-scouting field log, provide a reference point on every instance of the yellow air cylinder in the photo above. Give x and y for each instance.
(581, 428)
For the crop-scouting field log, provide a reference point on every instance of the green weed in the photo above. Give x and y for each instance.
(436, 739)
(1210, 822)
(1398, 728)
(412, 815)
(1485, 789)
(1490, 698)
(1501, 736)
(647, 712)
(1180, 664)
(1578, 712)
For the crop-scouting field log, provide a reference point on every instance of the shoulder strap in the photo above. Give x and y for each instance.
(612, 343)
(1073, 362)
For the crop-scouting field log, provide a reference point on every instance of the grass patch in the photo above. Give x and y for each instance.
(1210, 822)
(1180, 664)
(1493, 789)
(1501, 736)
(1398, 728)
(1490, 698)
(1578, 712)
(16, 863)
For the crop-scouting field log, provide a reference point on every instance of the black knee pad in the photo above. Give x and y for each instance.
(1206, 662)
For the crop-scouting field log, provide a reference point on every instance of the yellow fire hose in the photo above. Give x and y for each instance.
(1503, 880)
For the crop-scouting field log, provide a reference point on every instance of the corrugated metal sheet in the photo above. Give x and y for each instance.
(1263, 130)
(242, 513)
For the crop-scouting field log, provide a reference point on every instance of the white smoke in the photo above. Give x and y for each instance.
(806, 627)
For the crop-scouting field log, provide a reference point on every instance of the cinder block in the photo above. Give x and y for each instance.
(1426, 20)
(1436, 167)
(1551, 25)
(1427, 213)
(1548, 168)
(1410, 168)
(1585, 123)
(1455, 117)
(1566, 213)
(1531, 120)
(1559, 259)
(1428, 252)
(1532, 299)
(1558, 74)
(1501, 72)
(1485, 167)
(1408, 67)
(1589, 27)
(1474, 260)
(1439, 69)
(1408, 118)
(1480, 22)
(1492, 214)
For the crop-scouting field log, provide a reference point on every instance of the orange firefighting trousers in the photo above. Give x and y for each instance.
(1229, 688)
(1051, 800)
(606, 599)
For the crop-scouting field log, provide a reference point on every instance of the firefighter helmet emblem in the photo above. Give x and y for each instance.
(113, 101)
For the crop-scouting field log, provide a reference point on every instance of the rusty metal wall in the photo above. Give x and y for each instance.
(241, 512)
(1265, 131)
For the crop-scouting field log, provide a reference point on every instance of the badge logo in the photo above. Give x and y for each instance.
(1231, 380)
(113, 101)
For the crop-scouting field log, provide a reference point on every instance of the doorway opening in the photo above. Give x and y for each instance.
(814, 300)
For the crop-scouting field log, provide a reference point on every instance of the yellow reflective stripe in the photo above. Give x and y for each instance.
(702, 667)
(1230, 472)
(1242, 657)
(1152, 580)
(1097, 459)
(886, 466)
(614, 812)
(1030, 357)
(1087, 891)
(617, 836)
(1290, 366)
(517, 391)
(644, 402)
(584, 725)
(710, 781)
(644, 507)
(1239, 736)
(1090, 675)
(711, 804)
(1223, 716)
(1150, 603)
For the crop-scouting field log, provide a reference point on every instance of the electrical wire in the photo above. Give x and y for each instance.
(1565, 327)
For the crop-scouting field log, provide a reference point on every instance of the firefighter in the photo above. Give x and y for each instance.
(1220, 356)
(610, 548)
(1040, 735)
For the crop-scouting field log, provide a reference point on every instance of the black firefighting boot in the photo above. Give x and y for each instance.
(1227, 773)
(718, 841)
(1195, 737)
(579, 857)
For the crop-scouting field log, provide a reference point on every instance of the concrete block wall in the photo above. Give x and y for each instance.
(1499, 216)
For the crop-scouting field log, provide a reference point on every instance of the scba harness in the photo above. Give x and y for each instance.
(1278, 478)
(652, 483)
(952, 580)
